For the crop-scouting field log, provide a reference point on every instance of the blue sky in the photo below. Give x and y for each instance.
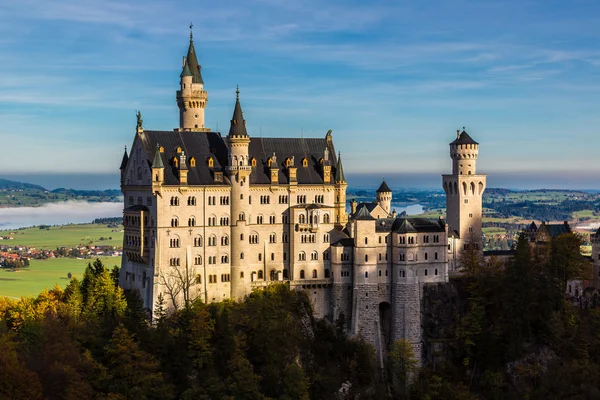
(394, 80)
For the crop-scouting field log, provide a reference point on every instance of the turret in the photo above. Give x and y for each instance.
(341, 216)
(191, 96)
(158, 170)
(183, 169)
(384, 197)
(464, 151)
(239, 170)
(123, 166)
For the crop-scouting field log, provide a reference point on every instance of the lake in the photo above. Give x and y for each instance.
(69, 212)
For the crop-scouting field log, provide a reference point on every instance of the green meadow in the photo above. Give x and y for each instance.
(64, 235)
(44, 274)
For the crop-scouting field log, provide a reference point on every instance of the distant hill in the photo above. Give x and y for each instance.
(14, 185)
(21, 194)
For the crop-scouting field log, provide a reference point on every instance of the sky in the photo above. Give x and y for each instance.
(393, 80)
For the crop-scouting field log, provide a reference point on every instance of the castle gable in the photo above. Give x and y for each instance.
(312, 149)
(201, 146)
(137, 169)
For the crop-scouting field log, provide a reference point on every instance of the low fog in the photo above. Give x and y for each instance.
(58, 213)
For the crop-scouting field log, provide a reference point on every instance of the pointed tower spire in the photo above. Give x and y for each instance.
(339, 170)
(192, 60)
(125, 160)
(157, 161)
(238, 123)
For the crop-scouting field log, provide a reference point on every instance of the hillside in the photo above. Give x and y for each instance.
(21, 194)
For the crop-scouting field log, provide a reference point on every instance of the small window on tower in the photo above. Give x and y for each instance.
(161, 149)
(304, 162)
(192, 162)
(211, 162)
(254, 162)
(179, 150)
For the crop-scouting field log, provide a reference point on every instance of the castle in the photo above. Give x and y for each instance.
(213, 217)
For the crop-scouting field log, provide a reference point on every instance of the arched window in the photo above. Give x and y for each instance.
(314, 275)
(326, 273)
(366, 258)
(198, 241)
(174, 222)
(304, 162)
(366, 240)
(302, 219)
(241, 256)
(191, 221)
(212, 240)
(273, 275)
(425, 272)
(253, 162)
(225, 240)
(314, 256)
(436, 271)
(326, 218)
(260, 274)
(426, 256)
(302, 274)
(192, 162)
(302, 256)
(198, 260)
(211, 162)
(224, 259)
(174, 201)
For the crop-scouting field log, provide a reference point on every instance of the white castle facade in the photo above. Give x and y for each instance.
(215, 217)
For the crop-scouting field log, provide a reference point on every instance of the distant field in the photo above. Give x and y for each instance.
(494, 231)
(44, 274)
(585, 214)
(65, 235)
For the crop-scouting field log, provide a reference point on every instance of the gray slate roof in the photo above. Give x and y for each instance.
(202, 145)
(384, 188)
(464, 138)
(192, 63)
(124, 161)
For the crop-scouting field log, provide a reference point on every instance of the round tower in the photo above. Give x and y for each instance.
(384, 197)
(191, 96)
(239, 169)
(464, 192)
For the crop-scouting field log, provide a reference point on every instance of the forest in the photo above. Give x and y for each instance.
(507, 333)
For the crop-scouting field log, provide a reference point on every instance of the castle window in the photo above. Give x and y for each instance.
(326, 238)
(366, 258)
(272, 219)
(426, 239)
(314, 275)
(425, 256)
(425, 272)
(304, 162)
(225, 240)
(326, 218)
(288, 162)
(198, 260)
(211, 162)
(253, 162)
(272, 256)
(174, 201)
(436, 272)
(314, 256)
(466, 201)
(161, 149)
(366, 240)
(301, 219)
(366, 274)
(175, 161)
(284, 256)
(174, 242)
(285, 273)
(212, 240)
(435, 255)
(260, 274)
(198, 241)
(242, 217)
(284, 238)
(259, 219)
(379, 239)
(386, 272)
(326, 273)
(269, 162)
(379, 272)
(379, 256)
(302, 256)
(174, 222)
(191, 221)
(192, 162)
(302, 274)
(224, 259)
(191, 201)
(254, 238)
(224, 221)
(401, 273)
(272, 238)
(259, 256)
(402, 257)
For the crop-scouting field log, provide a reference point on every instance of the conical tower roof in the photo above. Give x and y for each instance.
(384, 188)
(464, 138)
(124, 161)
(186, 70)
(157, 161)
(192, 62)
(339, 170)
(238, 123)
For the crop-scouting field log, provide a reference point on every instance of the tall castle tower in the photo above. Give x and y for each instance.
(464, 190)
(191, 96)
(239, 169)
